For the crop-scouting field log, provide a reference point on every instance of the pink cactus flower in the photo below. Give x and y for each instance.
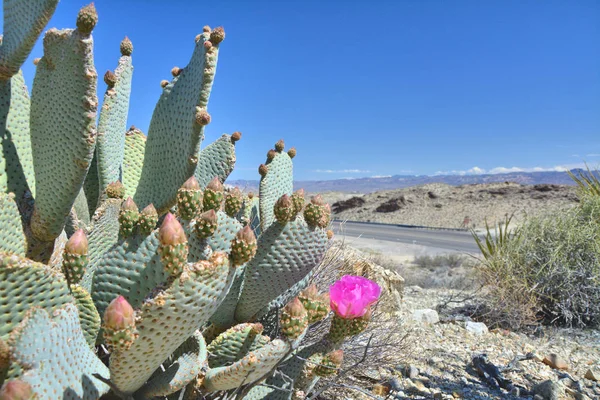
(352, 296)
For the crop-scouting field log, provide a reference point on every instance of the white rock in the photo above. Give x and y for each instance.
(426, 316)
(476, 328)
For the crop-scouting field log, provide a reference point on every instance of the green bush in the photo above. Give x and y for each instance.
(550, 270)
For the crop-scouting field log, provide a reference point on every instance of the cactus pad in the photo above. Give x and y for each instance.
(25, 284)
(277, 181)
(64, 89)
(169, 318)
(70, 375)
(216, 159)
(12, 239)
(255, 365)
(233, 344)
(133, 159)
(88, 315)
(286, 254)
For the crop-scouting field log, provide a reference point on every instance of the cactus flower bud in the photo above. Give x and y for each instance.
(207, 46)
(189, 199)
(164, 83)
(243, 246)
(148, 219)
(206, 224)
(317, 212)
(126, 47)
(87, 19)
(206, 28)
(217, 35)
(202, 116)
(284, 209)
(213, 195)
(271, 154)
(128, 217)
(233, 202)
(235, 136)
(16, 390)
(280, 145)
(175, 71)
(75, 257)
(115, 190)
(110, 78)
(262, 170)
(298, 201)
(36, 61)
(330, 364)
(118, 324)
(173, 249)
(292, 152)
(294, 319)
(317, 200)
(317, 305)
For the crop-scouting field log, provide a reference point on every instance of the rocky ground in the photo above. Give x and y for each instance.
(443, 205)
(444, 354)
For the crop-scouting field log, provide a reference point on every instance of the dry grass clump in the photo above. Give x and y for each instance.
(547, 271)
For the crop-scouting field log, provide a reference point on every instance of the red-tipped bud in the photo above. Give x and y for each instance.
(16, 390)
(280, 145)
(243, 246)
(294, 319)
(217, 35)
(336, 357)
(87, 19)
(119, 314)
(78, 243)
(171, 232)
(207, 46)
(262, 170)
(250, 195)
(129, 205)
(110, 78)
(175, 71)
(126, 47)
(206, 224)
(202, 116)
(295, 308)
(310, 292)
(191, 184)
(317, 200)
(215, 185)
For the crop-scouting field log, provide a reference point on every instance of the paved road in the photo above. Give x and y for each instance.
(450, 240)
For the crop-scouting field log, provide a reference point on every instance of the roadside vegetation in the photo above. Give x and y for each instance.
(548, 269)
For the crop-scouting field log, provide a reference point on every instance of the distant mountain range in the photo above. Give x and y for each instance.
(369, 185)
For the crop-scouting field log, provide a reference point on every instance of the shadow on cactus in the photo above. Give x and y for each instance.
(129, 259)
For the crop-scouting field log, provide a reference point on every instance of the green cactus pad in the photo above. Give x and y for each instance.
(16, 163)
(133, 160)
(250, 214)
(224, 317)
(91, 186)
(55, 356)
(169, 318)
(189, 360)
(103, 235)
(233, 344)
(64, 90)
(12, 239)
(80, 214)
(216, 159)
(88, 315)
(132, 269)
(25, 284)
(275, 183)
(112, 126)
(254, 366)
(286, 254)
(174, 136)
(23, 23)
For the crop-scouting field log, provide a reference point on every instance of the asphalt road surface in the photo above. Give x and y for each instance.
(450, 240)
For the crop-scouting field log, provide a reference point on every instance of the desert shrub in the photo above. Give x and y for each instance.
(451, 260)
(548, 271)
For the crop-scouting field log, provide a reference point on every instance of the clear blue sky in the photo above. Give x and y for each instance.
(364, 88)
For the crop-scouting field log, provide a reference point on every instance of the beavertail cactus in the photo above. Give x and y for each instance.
(213, 195)
(317, 305)
(119, 325)
(206, 224)
(148, 219)
(243, 247)
(233, 202)
(294, 319)
(128, 217)
(189, 199)
(75, 257)
(173, 247)
(330, 364)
